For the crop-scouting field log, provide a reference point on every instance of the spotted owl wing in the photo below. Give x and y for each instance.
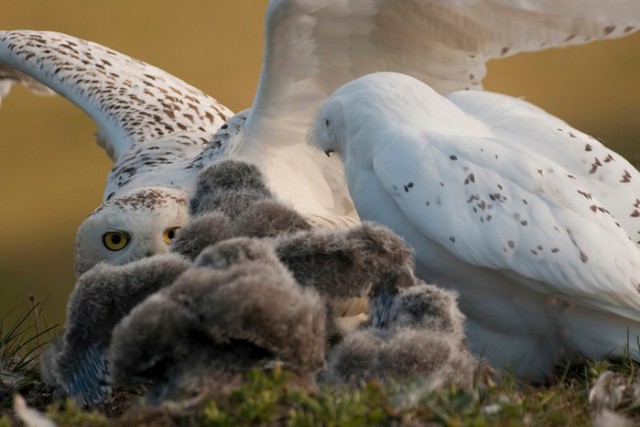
(313, 47)
(132, 102)
(505, 208)
(610, 177)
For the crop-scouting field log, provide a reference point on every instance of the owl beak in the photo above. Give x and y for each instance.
(329, 152)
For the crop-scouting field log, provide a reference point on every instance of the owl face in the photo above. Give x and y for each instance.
(130, 227)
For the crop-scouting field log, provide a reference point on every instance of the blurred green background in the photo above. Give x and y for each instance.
(53, 173)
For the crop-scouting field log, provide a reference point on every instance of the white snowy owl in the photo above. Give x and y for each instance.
(533, 222)
(311, 48)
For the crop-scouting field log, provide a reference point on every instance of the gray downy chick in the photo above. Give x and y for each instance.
(237, 308)
(424, 338)
(364, 263)
(101, 298)
(228, 186)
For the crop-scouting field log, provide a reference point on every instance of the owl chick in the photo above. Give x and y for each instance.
(237, 308)
(100, 299)
(229, 186)
(424, 338)
(364, 262)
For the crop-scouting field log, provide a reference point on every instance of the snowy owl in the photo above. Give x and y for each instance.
(150, 123)
(530, 220)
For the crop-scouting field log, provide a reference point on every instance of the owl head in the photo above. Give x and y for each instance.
(129, 227)
(325, 133)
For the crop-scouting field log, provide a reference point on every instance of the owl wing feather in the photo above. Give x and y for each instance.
(90, 383)
(131, 102)
(610, 177)
(505, 208)
(314, 46)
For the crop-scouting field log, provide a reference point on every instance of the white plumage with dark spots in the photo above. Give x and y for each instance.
(151, 124)
(609, 177)
(499, 205)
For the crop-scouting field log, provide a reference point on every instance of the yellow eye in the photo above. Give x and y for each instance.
(170, 234)
(115, 240)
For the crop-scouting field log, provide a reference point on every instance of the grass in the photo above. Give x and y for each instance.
(22, 338)
(21, 341)
(271, 399)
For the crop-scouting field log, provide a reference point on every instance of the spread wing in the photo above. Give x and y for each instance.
(610, 178)
(132, 102)
(497, 206)
(314, 46)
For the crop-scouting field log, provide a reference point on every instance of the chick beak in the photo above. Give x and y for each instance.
(328, 152)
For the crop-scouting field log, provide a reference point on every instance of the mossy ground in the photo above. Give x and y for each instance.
(272, 399)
